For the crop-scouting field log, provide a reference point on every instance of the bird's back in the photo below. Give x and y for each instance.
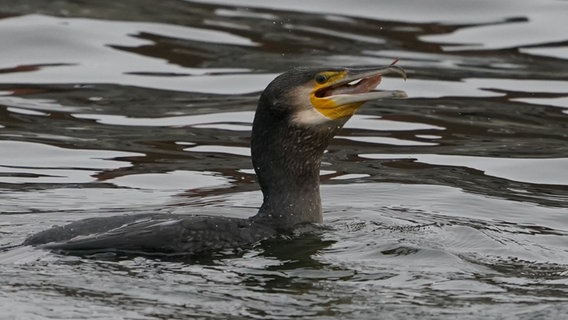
(165, 234)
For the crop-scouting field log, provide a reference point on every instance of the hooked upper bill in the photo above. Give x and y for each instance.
(338, 94)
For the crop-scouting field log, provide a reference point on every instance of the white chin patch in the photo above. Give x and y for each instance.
(305, 114)
(310, 117)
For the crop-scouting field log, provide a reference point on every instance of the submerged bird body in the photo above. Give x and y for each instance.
(152, 234)
(297, 116)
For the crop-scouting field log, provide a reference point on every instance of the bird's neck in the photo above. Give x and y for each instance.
(287, 163)
(290, 191)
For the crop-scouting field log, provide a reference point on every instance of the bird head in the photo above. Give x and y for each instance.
(312, 96)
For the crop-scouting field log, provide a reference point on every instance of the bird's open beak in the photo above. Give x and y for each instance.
(345, 91)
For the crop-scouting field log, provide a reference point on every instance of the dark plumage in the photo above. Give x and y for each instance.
(163, 234)
(297, 116)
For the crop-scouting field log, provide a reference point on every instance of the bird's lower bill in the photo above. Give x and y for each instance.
(343, 100)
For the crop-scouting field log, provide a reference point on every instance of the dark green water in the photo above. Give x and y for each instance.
(452, 204)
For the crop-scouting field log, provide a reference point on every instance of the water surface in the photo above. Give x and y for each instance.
(449, 204)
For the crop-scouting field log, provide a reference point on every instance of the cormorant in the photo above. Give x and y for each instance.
(297, 116)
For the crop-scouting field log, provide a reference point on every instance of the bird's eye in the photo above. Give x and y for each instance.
(320, 78)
